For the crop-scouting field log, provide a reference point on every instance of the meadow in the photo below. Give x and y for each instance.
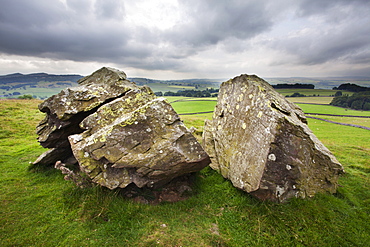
(310, 92)
(39, 208)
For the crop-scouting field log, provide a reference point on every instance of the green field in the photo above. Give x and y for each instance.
(328, 109)
(161, 87)
(194, 106)
(353, 120)
(312, 100)
(39, 208)
(310, 92)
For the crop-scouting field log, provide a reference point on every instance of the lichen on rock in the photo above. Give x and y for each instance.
(261, 142)
(119, 133)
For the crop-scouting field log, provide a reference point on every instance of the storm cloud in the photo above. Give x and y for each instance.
(190, 38)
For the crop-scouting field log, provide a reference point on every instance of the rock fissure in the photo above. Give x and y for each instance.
(267, 149)
(119, 133)
(279, 109)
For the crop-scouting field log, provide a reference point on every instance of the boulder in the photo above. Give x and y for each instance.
(132, 140)
(261, 142)
(119, 133)
(64, 111)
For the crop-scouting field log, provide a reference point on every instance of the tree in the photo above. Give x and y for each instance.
(338, 93)
(357, 104)
(207, 94)
(25, 96)
(297, 95)
(357, 101)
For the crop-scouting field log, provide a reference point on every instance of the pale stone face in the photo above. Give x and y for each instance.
(260, 141)
(148, 145)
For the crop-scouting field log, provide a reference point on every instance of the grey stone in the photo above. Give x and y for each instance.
(136, 139)
(261, 142)
(53, 155)
(119, 133)
(64, 111)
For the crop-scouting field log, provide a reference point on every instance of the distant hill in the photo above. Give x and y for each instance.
(37, 77)
(145, 81)
(321, 82)
(43, 85)
(38, 85)
(352, 87)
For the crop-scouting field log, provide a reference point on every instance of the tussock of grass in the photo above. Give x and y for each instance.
(39, 208)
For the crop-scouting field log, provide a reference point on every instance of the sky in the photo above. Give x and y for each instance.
(170, 39)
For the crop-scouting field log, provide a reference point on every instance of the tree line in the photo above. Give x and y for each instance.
(357, 101)
(352, 88)
(209, 92)
(296, 85)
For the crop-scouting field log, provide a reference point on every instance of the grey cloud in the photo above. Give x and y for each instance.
(86, 30)
(345, 40)
(111, 9)
(96, 30)
(211, 22)
(334, 10)
(319, 48)
(79, 31)
(48, 28)
(28, 14)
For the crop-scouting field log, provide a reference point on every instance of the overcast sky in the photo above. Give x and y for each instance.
(169, 39)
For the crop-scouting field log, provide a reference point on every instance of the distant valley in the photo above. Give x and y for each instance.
(43, 85)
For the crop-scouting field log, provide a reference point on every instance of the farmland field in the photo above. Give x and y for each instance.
(311, 100)
(310, 92)
(328, 109)
(39, 208)
(194, 106)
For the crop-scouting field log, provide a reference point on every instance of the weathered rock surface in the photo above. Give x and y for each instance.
(64, 111)
(119, 133)
(260, 141)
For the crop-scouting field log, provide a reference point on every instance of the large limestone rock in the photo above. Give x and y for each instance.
(64, 111)
(260, 141)
(119, 133)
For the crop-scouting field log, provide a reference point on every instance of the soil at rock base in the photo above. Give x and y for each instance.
(179, 189)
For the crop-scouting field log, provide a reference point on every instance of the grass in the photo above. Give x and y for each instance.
(194, 106)
(328, 109)
(156, 87)
(312, 100)
(310, 92)
(353, 120)
(39, 208)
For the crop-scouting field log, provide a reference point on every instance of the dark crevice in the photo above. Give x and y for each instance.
(273, 105)
(303, 119)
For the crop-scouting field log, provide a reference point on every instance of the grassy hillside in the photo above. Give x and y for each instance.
(39, 208)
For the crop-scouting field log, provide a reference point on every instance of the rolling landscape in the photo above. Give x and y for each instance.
(43, 85)
(110, 164)
(39, 208)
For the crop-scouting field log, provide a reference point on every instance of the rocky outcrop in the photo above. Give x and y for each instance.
(261, 142)
(64, 111)
(119, 133)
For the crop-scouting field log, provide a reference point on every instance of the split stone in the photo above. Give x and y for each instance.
(64, 111)
(261, 142)
(119, 133)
